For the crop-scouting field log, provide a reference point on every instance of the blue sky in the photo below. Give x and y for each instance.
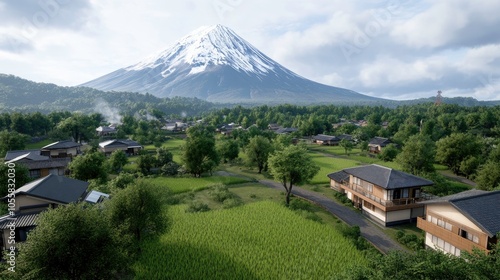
(398, 49)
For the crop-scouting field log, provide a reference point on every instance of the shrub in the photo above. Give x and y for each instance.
(300, 204)
(231, 202)
(197, 206)
(220, 193)
(309, 215)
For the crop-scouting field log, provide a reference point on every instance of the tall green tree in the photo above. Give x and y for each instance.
(488, 176)
(389, 153)
(136, 212)
(258, 150)
(88, 166)
(453, 149)
(292, 166)
(199, 153)
(228, 150)
(117, 160)
(347, 145)
(11, 140)
(417, 155)
(71, 242)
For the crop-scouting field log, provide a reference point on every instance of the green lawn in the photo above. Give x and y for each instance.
(334, 150)
(328, 165)
(38, 145)
(186, 184)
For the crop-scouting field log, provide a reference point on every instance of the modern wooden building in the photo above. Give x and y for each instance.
(376, 144)
(130, 147)
(385, 195)
(462, 221)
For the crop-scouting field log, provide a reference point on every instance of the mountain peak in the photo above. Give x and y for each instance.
(206, 47)
(215, 64)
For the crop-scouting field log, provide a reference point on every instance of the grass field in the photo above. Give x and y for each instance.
(261, 240)
(38, 145)
(186, 184)
(328, 165)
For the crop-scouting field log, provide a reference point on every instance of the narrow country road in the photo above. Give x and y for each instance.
(371, 232)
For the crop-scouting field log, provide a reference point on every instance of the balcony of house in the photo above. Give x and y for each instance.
(452, 237)
(386, 205)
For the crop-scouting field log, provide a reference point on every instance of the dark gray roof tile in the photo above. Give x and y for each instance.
(387, 178)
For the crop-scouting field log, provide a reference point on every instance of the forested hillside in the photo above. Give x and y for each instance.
(19, 95)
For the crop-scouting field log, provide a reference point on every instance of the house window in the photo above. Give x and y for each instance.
(369, 206)
(417, 193)
(35, 173)
(357, 181)
(405, 193)
(445, 246)
(369, 188)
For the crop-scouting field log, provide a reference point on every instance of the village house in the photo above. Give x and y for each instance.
(377, 143)
(461, 222)
(106, 131)
(61, 149)
(322, 139)
(31, 199)
(51, 159)
(130, 147)
(385, 195)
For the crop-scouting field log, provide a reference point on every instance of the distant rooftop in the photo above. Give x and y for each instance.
(56, 188)
(66, 144)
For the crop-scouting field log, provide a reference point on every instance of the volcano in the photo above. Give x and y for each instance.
(215, 64)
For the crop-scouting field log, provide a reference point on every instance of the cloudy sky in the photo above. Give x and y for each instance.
(398, 49)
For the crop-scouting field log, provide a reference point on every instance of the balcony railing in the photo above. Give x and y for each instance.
(388, 203)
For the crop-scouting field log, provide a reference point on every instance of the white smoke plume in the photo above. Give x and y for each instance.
(111, 114)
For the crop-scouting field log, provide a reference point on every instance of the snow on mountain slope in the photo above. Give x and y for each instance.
(216, 64)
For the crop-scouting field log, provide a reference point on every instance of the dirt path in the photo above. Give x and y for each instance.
(370, 231)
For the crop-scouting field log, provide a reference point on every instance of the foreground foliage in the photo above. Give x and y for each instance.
(262, 240)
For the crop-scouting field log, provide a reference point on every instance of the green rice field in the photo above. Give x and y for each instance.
(328, 165)
(261, 240)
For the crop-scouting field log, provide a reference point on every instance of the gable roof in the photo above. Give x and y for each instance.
(22, 220)
(387, 178)
(29, 157)
(481, 207)
(323, 137)
(105, 129)
(286, 130)
(17, 153)
(65, 144)
(55, 188)
(120, 142)
(345, 136)
(379, 141)
(46, 163)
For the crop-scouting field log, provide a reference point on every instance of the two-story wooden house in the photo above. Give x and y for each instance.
(385, 195)
(462, 221)
(376, 144)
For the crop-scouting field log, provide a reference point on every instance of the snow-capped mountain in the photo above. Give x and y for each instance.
(215, 64)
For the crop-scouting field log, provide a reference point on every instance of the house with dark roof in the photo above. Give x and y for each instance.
(61, 149)
(130, 147)
(322, 139)
(377, 143)
(286, 130)
(106, 131)
(461, 222)
(37, 164)
(33, 198)
(385, 195)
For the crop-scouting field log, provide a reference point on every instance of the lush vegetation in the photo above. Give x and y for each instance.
(261, 240)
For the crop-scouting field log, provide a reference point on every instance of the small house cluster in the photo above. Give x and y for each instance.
(452, 224)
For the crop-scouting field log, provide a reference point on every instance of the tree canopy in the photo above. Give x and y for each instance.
(292, 166)
(199, 153)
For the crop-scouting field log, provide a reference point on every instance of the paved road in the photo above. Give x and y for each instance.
(370, 231)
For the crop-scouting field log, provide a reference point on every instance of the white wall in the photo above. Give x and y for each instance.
(398, 215)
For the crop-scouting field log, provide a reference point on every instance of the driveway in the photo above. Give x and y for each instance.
(369, 231)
